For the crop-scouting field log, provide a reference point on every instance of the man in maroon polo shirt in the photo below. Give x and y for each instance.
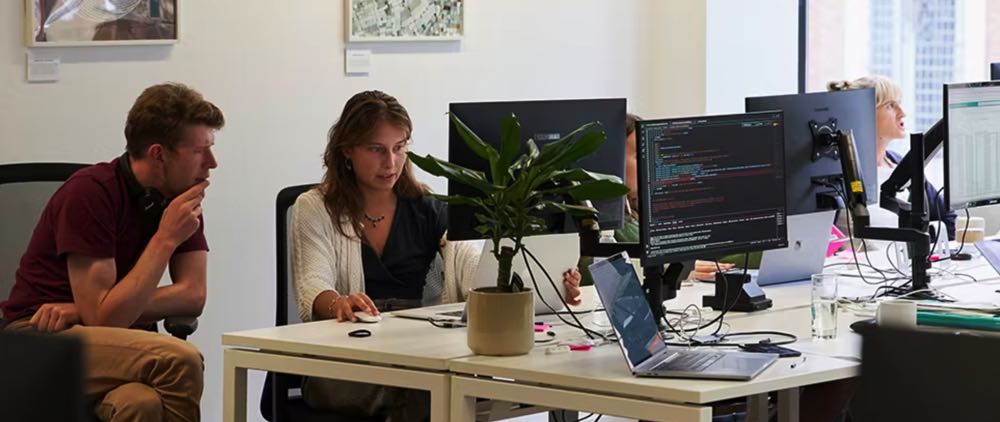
(101, 246)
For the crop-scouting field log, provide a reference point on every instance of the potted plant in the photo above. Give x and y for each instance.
(519, 187)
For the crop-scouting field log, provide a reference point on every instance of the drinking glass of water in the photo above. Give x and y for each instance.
(824, 306)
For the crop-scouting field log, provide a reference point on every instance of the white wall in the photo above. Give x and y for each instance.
(276, 71)
(678, 54)
(751, 49)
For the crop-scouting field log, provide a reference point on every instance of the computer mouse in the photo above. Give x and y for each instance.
(363, 316)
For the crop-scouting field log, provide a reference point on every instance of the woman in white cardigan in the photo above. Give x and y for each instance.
(365, 239)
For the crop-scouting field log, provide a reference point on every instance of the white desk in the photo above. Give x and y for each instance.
(599, 380)
(400, 352)
(413, 354)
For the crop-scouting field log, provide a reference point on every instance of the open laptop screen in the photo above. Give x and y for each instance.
(618, 286)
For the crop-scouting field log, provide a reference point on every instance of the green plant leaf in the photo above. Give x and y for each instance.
(436, 167)
(581, 175)
(482, 218)
(555, 149)
(536, 224)
(475, 144)
(532, 149)
(586, 144)
(518, 186)
(574, 210)
(510, 145)
(598, 190)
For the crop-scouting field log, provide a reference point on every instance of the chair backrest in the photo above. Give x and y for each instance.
(286, 310)
(25, 189)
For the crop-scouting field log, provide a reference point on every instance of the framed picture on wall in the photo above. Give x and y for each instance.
(404, 20)
(68, 23)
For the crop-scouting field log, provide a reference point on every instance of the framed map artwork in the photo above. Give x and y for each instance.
(404, 20)
(68, 23)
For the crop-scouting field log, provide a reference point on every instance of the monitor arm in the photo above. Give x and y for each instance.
(854, 191)
(659, 284)
(901, 177)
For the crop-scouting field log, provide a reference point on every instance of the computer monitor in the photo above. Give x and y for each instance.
(544, 122)
(972, 144)
(711, 186)
(994, 71)
(853, 110)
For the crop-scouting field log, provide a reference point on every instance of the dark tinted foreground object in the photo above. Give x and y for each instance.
(42, 378)
(928, 376)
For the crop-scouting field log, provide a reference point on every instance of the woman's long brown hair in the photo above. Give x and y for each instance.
(356, 126)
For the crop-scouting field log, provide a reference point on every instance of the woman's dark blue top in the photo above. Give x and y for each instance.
(417, 227)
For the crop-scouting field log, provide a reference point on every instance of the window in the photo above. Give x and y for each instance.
(921, 44)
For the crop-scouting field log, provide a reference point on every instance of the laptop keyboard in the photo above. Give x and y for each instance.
(457, 313)
(689, 362)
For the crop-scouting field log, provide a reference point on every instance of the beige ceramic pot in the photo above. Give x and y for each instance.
(501, 324)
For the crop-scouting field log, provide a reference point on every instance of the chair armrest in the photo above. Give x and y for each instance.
(180, 327)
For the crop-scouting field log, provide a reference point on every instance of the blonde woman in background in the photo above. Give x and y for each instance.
(890, 125)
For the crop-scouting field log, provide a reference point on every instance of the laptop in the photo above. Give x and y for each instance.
(808, 238)
(642, 343)
(991, 251)
(556, 252)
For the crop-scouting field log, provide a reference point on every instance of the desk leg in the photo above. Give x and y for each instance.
(441, 399)
(463, 407)
(757, 408)
(234, 389)
(563, 415)
(788, 405)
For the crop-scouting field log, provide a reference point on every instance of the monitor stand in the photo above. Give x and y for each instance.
(736, 292)
(661, 284)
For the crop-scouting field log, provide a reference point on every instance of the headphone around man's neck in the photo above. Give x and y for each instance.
(149, 202)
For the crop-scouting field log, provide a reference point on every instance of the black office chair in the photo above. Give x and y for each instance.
(281, 400)
(25, 189)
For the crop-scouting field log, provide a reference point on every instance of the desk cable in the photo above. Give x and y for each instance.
(850, 236)
(682, 321)
(898, 290)
(525, 253)
(723, 340)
